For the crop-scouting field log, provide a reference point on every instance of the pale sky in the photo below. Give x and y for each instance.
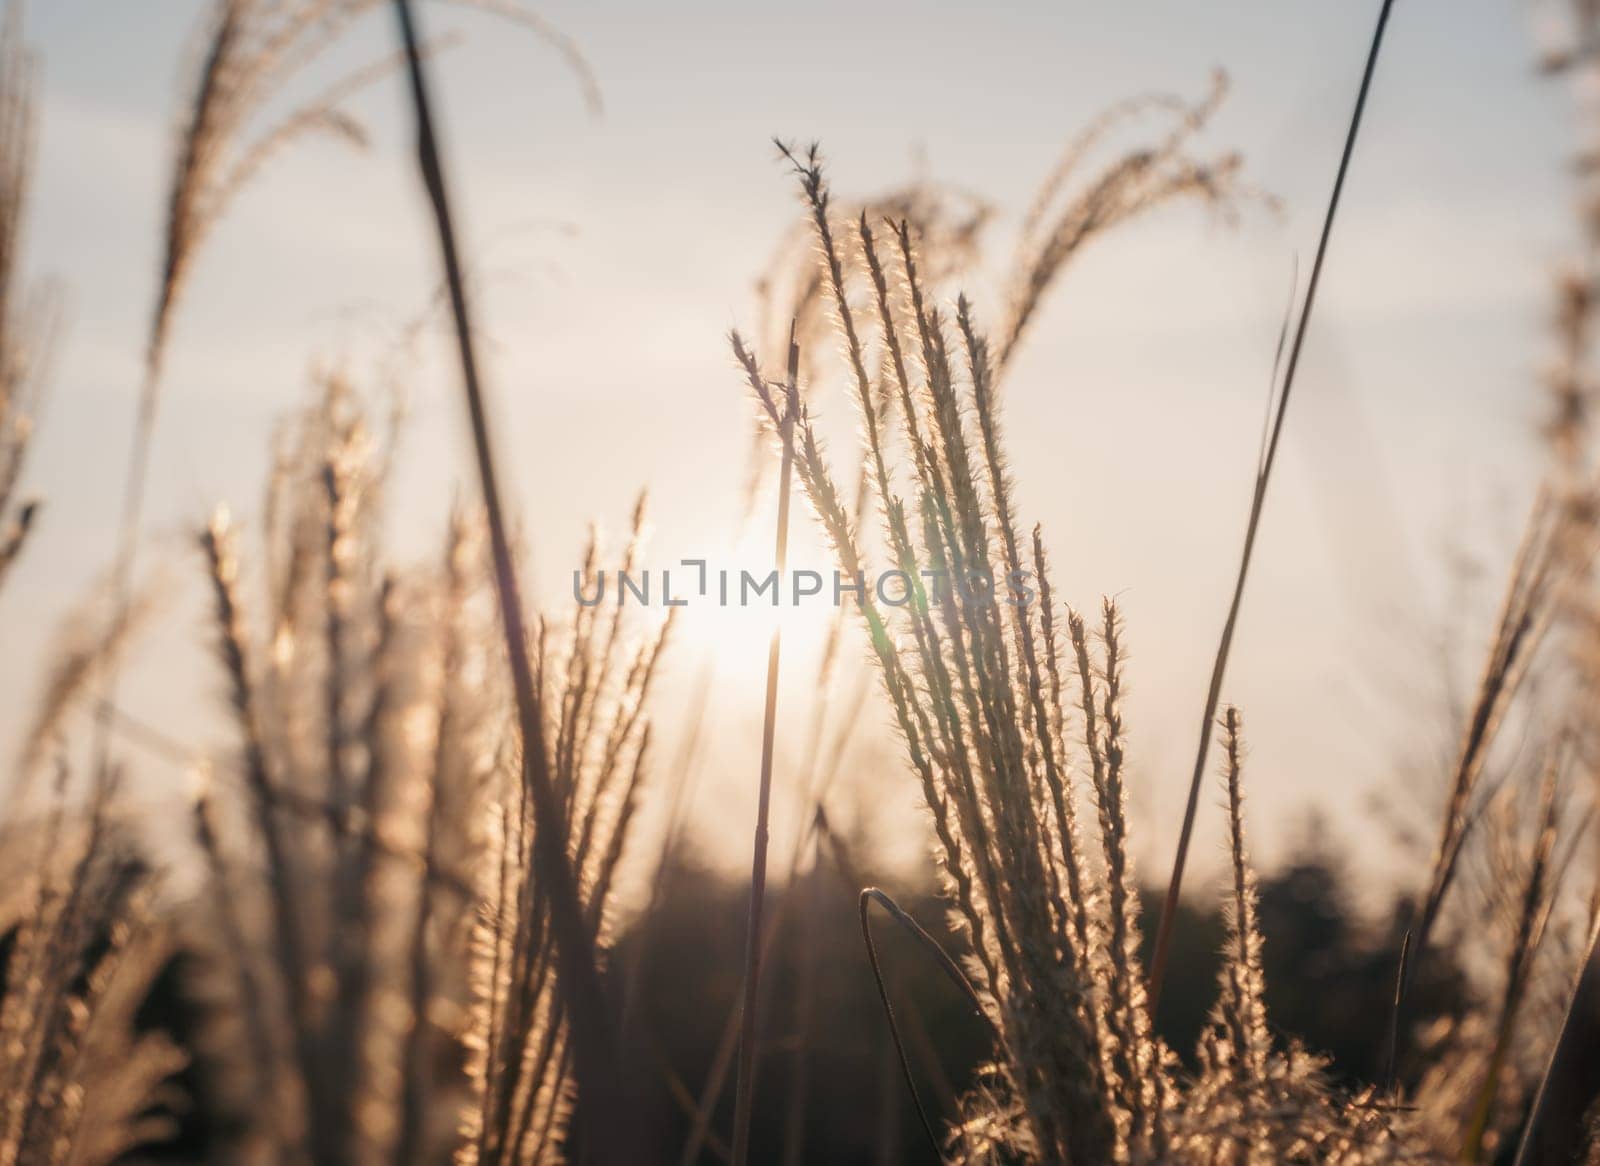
(614, 254)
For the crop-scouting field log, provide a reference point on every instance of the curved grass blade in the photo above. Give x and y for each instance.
(948, 966)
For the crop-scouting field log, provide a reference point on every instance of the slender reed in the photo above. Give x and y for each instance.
(595, 1056)
(1169, 904)
(749, 1035)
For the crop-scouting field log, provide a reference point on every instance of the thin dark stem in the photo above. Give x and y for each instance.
(749, 1035)
(727, 1047)
(1392, 1039)
(596, 1064)
(1169, 906)
(1563, 1055)
(865, 902)
(947, 965)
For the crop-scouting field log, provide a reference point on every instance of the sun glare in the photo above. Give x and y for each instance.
(739, 609)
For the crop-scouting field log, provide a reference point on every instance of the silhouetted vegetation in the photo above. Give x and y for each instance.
(834, 1089)
(389, 928)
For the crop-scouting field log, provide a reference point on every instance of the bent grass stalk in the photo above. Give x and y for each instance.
(951, 970)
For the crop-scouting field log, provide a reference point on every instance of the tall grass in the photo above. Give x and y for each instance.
(989, 697)
(398, 889)
(379, 783)
(1278, 410)
(82, 941)
(744, 1083)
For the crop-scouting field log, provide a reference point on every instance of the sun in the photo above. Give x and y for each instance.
(737, 613)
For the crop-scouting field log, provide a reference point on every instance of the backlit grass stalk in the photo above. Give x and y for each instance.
(980, 785)
(285, 909)
(970, 659)
(1532, 916)
(749, 1036)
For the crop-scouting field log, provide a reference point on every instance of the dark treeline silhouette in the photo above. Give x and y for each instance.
(833, 1088)
(830, 1086)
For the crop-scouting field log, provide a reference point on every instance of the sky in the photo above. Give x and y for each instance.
(612, 254)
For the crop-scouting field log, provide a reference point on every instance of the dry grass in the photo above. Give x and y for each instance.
(975, 681)
(402, 879)
(394, 907)
(1055, 961)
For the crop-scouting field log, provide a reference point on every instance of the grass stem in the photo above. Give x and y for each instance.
(749, 1034)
